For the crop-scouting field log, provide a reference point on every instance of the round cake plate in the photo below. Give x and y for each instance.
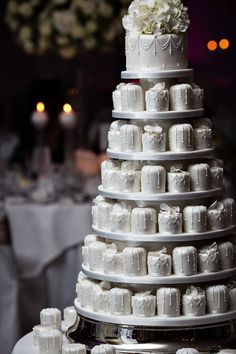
(158, 74)
(162, 156)
(156, 238)
(169, 280)
(146, 115)
(182, 321)
(162, 197)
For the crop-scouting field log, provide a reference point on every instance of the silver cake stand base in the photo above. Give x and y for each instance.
(137, 339)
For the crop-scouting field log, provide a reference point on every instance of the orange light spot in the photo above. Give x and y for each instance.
(224, 44)
(40, 107)
(212, 45)
(67, 108)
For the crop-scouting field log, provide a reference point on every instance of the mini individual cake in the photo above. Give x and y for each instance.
(113, 262)
(100, 298)
(50, 342)
(195, 219)
(90, 238)
(157, 98)
(36, 333)
(132, 98)
(131, 138)
(116, 97)
(200, 176)
(216, 217)
(181, 137)
(197, 97)
(104, 215)
(130, 182)
(232, 296)
(85, 293)
(185, 260)
(96, 252)
(153, 179)
(229, 208)
(130, 166)
(134, 261)
(168, 302)
(120, 218)
(85, 249)
(181, 97)
(187, 351)
(51, 317)
(70, 316)
(159, 263)
(99, 199)
(227, 255)
(169, 220)
(103, 349)
(178, 181)
(217, 299)
(202, 134)
(154, 139)
(217, 175)
(144, 305)
(114, 142)
(194, 302)
(110, 172)
(209, 259)
(143, 221)
(74, 349)
(120, 302)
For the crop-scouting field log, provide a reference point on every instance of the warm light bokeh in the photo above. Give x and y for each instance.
(67, 108)
(224, 44)
(40, 107)
(212, 45)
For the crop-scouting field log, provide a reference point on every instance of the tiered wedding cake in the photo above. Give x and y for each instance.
(158, 270)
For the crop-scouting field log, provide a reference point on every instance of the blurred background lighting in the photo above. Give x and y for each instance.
(212, 45)
(67, 108)
(40, 107)
(224, 44)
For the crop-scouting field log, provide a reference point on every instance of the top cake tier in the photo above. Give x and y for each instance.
(154, 53)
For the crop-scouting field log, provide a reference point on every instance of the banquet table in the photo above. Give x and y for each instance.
(41, 265)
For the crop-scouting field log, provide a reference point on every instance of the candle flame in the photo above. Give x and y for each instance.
(40, 107)
(67, 108)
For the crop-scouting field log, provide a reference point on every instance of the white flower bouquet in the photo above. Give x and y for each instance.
(156, 17)
(65, 27)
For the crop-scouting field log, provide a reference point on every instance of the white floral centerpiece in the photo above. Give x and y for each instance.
(156, 35)
(65, 27)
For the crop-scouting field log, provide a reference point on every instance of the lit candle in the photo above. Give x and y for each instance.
(67, 117)
(39, 117)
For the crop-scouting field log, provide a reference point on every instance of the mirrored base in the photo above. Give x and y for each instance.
(131, 339)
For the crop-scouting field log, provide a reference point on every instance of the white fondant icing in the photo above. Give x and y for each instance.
(130, 182)
(217, 175)
(159, 263)
(99, 199)
(85, 293)
(103, 349)
(157, 98)
(153, 179)
(194, 302)
(229, 210)
(187, 351)
(152, 52)
(144, 305)
(51, 317)
(197, 97)
(96, 252)
(131, 138)
(120, 218)
(168, 302)
(216, 217)
(50, 342)
(185, 260)
(178, 181)
(200, 176)
(132, 98)
(169, 220)
(154, 139)
(144, 221)
(209, 259)
(227, 255)
(181, 97)
(217, 299)
(120, 302)
(130, 166)
(74, 349)
(134, 261)
(113, 263)
(36, 333)
(116, 96)
(181, 137)
(104, 215)
(70, 316)
(202, 138)
(232, 298)
(195, 219)
(101, 299)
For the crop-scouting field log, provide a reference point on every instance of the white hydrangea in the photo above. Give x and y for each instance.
(156, 17)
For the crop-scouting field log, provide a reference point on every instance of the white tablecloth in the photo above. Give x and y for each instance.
(42, 266)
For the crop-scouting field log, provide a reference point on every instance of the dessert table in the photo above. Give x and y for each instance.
(41, 263)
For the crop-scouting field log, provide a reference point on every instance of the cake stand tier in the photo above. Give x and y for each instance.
(162, 197)
(162, 156)
(145, 115)
(160, 238)
(177, 322)
(135, 281)
(158, 74)
(208, 338)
